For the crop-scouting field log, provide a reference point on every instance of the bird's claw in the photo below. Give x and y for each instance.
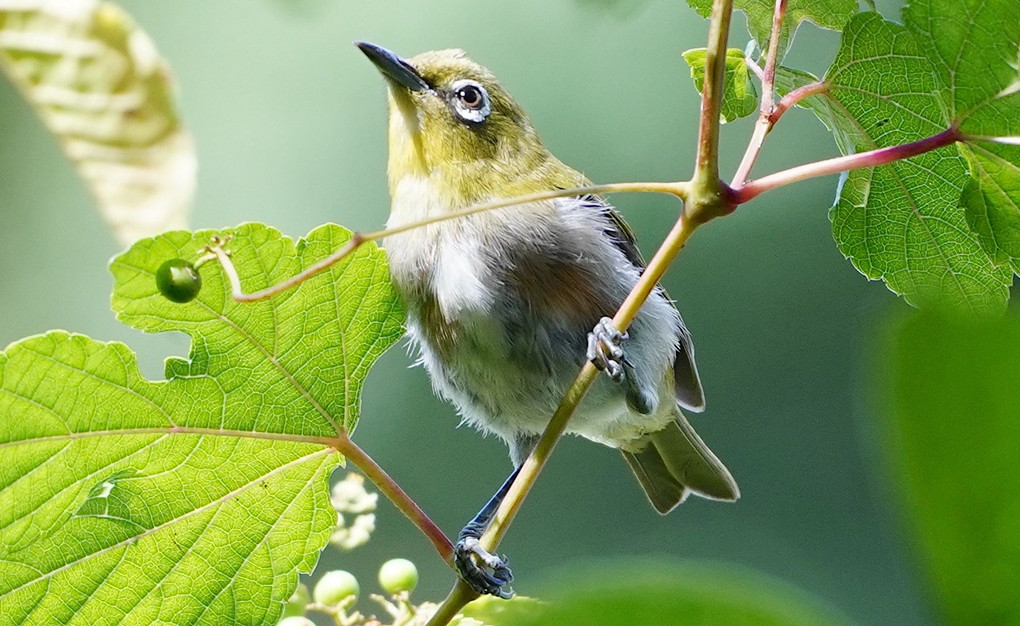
(485, 572)
(605, 349)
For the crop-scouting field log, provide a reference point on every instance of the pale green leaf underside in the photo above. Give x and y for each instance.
(200, 498)
(954, 433)
(902, 222)
(102, 89)
(740, 98)
(992, 199)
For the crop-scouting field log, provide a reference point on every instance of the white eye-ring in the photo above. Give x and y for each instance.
(470, 101)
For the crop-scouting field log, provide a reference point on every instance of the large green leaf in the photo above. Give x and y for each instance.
(974, 45)
(890, 85)
(102, 89)
(199, 498)
(740, 98)
(902, 222)
(954, 431)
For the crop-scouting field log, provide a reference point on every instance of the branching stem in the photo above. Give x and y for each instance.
(768, 90)
(765, 123)
(761, 130)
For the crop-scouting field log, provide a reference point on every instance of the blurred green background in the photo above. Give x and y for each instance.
(289, 121)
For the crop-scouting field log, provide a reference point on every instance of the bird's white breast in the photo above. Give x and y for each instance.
(447, 255)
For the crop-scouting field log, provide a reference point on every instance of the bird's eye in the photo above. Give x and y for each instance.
(470, 101)
(471, 96)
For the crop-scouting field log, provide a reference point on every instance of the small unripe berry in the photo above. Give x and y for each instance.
(178, 280)
(296, 621)
(398, 575)
(334, 587)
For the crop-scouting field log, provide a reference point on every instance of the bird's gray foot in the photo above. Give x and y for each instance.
(605, 349)
(485, 572)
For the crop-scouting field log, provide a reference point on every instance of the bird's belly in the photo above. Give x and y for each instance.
(509, 382)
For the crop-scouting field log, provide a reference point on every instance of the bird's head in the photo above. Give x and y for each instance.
(453, 124)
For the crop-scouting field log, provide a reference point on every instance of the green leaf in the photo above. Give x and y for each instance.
(199, 498)
(102, 89)
(647, 591)
(953, 437)
(829, 14)
(974, 48)
(740, 98)
(902, 222)
(973, 45)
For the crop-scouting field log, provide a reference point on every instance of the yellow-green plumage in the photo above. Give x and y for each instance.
(503, 157)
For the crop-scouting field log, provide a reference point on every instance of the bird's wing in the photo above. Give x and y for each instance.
(687, 383)
(618, 231)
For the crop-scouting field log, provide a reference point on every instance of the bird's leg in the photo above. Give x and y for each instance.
(487, 573)
(605, 351)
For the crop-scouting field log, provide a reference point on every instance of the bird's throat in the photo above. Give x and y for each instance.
(407, 150)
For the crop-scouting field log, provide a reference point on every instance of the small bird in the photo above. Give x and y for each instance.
(504, 306)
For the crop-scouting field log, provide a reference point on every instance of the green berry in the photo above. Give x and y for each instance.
(296, 621)
(178, 280)
(335, 587)
(297, 603)
(398, 575)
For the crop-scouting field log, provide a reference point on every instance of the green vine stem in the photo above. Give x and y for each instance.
(461, 594)
(706, 168)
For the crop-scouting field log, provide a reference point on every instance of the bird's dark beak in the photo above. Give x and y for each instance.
(393, 67)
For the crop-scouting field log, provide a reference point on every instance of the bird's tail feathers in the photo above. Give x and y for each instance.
(674, 462)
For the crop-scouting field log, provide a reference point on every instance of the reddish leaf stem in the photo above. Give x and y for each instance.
(389, 488)
(789, 100)
(769, 78)
(871, 158)
(761, 130)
